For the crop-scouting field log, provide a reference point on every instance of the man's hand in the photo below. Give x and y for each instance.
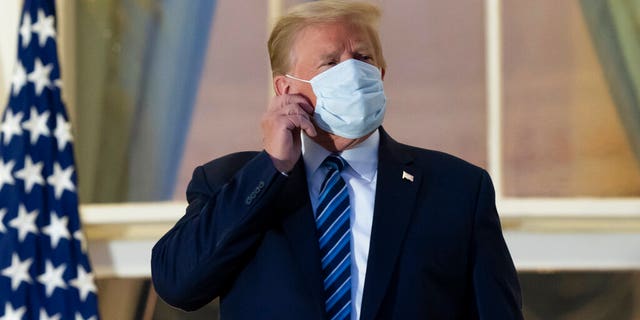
(286, 115)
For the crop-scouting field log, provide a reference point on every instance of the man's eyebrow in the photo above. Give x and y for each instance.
(329, 55)
(362, 47)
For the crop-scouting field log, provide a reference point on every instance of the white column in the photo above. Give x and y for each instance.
(493, 52)
(274, 12)
(66, 16)
(9, 20)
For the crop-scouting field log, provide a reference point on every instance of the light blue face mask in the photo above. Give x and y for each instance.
(350, 100)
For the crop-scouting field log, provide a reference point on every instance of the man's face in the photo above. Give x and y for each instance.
(319, 47)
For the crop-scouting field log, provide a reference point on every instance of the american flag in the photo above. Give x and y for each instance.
(44, 268)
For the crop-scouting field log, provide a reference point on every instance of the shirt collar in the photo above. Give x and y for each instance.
(363, 158)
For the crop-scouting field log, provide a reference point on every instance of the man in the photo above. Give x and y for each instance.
(335, 219)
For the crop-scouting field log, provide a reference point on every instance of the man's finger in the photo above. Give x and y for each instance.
(303, 122)
(306, 106)
(299, 100)
(308, 127)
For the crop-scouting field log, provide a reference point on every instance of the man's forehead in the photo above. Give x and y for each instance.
(327, 36)
(332, 48)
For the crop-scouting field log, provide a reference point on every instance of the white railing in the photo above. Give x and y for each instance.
(542, 234)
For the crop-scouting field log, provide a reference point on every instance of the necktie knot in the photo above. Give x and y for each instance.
(334, 162)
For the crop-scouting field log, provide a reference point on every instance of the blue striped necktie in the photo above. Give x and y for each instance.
(334, 232)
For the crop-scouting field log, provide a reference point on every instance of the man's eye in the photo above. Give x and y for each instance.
(331, 63)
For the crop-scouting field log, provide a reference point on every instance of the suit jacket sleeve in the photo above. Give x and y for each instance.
(495, 281)
(199, 258)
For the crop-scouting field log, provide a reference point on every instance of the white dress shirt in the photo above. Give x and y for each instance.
(360, 176)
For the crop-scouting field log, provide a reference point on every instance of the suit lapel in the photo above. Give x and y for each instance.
(395, 199)
(300, 229)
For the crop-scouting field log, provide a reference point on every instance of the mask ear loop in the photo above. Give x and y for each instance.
(295, 78)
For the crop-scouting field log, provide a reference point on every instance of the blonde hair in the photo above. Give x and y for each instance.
(361, 14)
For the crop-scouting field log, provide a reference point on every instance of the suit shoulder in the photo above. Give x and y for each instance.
(439, 162)
(220, 170)
(230, 161)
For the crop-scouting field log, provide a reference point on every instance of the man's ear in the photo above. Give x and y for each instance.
(281, 85)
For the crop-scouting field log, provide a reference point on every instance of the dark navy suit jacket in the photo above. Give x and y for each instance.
(248, 237)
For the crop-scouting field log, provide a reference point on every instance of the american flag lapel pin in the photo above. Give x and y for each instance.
(407, 176)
